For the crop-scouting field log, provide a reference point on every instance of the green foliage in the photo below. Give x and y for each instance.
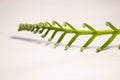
(56, 27)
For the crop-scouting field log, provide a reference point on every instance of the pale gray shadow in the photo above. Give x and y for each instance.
(48, 43)
(109, 47)
(34, 40)
(30, 40)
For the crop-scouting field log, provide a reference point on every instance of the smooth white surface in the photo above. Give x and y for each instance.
(30, 58)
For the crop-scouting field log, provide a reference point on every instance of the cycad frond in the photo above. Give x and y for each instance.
(39, 28)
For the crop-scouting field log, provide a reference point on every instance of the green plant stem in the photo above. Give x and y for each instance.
(85, 32)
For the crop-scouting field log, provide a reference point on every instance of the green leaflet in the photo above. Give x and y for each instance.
(56, 27)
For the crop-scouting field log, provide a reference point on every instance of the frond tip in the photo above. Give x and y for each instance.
(56, 28)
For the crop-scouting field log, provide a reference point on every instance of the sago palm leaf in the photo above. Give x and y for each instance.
(40, 27)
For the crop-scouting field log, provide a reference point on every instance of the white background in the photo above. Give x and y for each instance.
(25, 56)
